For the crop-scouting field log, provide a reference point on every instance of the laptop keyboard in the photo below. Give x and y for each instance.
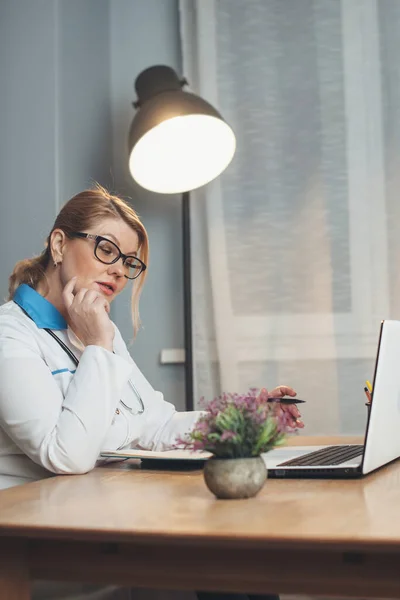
(332, 455)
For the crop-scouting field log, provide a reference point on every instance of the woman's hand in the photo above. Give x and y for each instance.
(88, 316)
(291, 411)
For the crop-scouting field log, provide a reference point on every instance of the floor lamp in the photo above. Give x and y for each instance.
(177, 143)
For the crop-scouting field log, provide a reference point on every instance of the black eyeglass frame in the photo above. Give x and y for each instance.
(99, 238)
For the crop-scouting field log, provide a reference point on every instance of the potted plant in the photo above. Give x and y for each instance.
(237, 429)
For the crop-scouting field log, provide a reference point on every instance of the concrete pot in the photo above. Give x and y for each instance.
(235, 477)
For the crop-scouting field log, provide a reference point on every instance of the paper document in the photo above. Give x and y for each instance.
(149, 454)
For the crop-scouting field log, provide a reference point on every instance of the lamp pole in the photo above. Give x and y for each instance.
(157, 153)
(187, 301)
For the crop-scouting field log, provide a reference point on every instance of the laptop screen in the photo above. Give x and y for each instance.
(382, 443)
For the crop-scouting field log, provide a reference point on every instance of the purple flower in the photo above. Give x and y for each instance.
(237, 425)
(202, 426)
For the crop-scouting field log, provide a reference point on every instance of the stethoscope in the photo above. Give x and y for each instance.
(76, 363)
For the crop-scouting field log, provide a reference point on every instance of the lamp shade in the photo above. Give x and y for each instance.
(177, 141)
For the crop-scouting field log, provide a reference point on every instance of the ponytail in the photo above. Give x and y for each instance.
(28, 270)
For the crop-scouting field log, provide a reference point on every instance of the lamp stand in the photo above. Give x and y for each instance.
(187, 301)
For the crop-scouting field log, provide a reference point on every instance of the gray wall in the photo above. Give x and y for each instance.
(55, 118)
(29, 184)
(84, 95)
(66, 85)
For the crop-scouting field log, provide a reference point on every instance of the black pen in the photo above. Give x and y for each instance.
(286, 400)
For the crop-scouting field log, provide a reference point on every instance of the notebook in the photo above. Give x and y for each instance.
(169, 459)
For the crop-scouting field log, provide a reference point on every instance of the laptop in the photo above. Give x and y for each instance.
(382, 439)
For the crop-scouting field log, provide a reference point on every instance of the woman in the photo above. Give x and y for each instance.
(69, 387)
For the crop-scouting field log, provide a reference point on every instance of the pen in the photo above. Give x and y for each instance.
(369, 386)
(286, 400)
(368, 394)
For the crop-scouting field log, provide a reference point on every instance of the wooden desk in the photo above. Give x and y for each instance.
(158, 529)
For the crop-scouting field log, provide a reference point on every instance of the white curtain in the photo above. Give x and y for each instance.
(296, 249)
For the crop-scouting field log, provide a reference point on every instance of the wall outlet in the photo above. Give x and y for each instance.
(172, 356)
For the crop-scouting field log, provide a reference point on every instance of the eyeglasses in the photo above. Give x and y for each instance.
(108, 253)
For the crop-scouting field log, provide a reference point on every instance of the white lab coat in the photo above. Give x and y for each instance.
(56, 418)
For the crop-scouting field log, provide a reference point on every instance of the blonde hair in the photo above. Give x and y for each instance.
(80, 213)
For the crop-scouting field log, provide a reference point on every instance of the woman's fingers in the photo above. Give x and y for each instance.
(294, 415)
(290, 411)
(291, 415)
(91, 296)
(263, 395)
(88, 316)
(293, 410)
(280, 391)
(99, 301)
(87, 297)
(79, 296)
(68, 292)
